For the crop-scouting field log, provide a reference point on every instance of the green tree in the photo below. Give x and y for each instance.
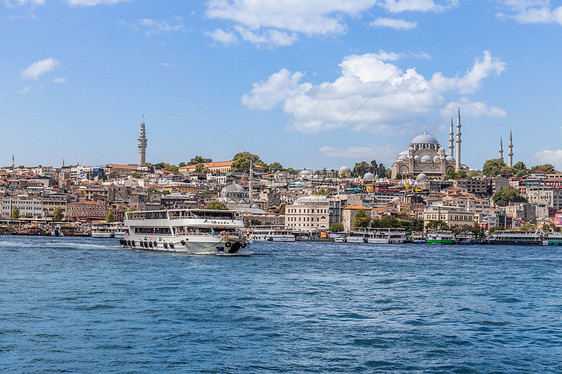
(436, 226)
(508, 196)
(199, 160)
(361, 219)
(382, 172)
(336, 227)
(109, 217)
(216, 205)
(548, 168)
(58, 215)
(520, 167)
(493, 167)
(241, 161)
(136, 175)
(181, 164)
(15, 213)
(361, 168)
(321, 191)
(375, 167)
(494, 228)
(275, 167)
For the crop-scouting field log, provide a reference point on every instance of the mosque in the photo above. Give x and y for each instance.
(427, 158)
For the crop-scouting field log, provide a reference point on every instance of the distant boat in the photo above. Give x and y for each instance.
(466, 237)
(516, 237)
(387, 236)
(417, 238)
(271, 234)
(440, 237)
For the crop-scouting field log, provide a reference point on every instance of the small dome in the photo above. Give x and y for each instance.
(345, 168)
(403, 153)
(305, 172)
(402, 158)
(368, 176)
(421, 177)
(424, 139)
(450, 158)
(233, 188)
(426, 158)
(417, 158)
(436, 159)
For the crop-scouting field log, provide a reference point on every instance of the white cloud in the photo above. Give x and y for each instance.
(532, 11)
(151, 26)
(223, 37)
(24, 90)
(14, 3)
(397, 24)
(34, 70)
(59, 80)
(397, 6)
(553, 157)
(472, 109)
(362, 95)
(381, 153)
(93, 2)
(472, 80)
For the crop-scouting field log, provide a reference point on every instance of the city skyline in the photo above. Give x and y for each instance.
(310, 84)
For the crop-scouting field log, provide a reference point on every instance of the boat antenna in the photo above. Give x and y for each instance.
(195, 101)
(344, 123)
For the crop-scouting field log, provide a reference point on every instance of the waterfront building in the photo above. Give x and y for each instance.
(29, 207)
(451, 215)
(51, 203)
(86, 210)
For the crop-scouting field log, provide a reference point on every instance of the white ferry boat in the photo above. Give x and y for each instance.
(440, 237)
(357, 235)
(104, 229)
(338, 237)
(197, 231)
(466, 237)
(387, 236)
(270, 234)
(516, 237)
(553, 238)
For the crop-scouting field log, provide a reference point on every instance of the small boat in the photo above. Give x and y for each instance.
(338, 237)
(440, 237)
(357, 235)
(417, 238)
(553, 238)
(104, 229)
(466, 237)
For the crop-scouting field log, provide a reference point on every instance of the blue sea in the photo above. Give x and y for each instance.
(85, 305)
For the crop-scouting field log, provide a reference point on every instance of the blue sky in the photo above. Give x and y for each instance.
(285, 78)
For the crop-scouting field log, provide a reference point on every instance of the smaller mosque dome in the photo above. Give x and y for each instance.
(368, 176)
(436, 159)
(345, 168)
(402, 158)
(305, 173)
(426, 158)
(421, 177)
(424, 139)
(450, 158)
(417, 158)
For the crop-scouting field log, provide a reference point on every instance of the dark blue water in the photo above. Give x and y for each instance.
(88, 306)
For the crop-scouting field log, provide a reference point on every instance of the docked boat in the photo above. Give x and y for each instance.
(197, 231)
(104, 229)
(553, 238)
(387, 236)
(357, 235)
(516, 237)
(466, 237)
(440, 237)
(417, 238)
(338, 237)
(270, 234)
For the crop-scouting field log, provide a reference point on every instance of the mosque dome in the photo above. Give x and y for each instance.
(345, 169)
(424, 139)
(417, 158)
(234, 193)
(305, 173)
(426, 158)
(421, 177)
(402, 158)
(436, 159)
(368, 176)
(450, 158)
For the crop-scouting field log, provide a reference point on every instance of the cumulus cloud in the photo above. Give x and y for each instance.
(397, 24)
(222, 36)
(397, 6)
(472, 80)
(472, 109)
(60, 80)
(531, 11)
(40, 67)
(371, 93)
(93, 2)
(15, 3)
(553, 157)
(24, 90)
(151, 26)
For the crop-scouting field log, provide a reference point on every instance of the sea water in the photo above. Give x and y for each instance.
(88, 306)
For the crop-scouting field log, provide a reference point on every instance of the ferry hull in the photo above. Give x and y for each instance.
(439, 241)
(191, 244)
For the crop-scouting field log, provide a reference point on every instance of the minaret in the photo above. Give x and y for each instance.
(458, 165)
(13, 162)
(451, 140)
(501, 149)
(510, 154)
(142, 144)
